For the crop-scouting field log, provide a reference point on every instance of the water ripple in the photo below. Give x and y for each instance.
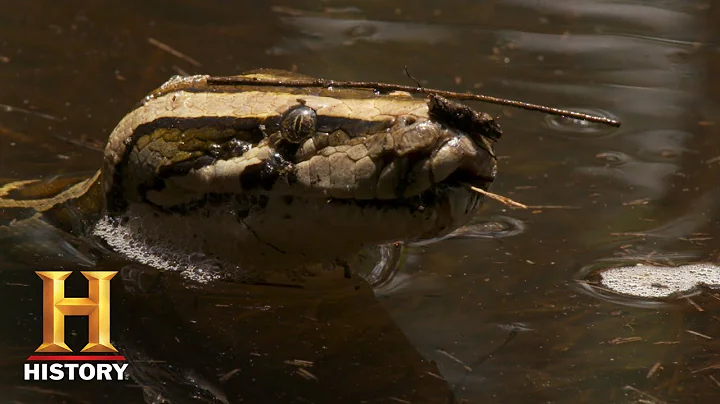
(577, 126)
(323, 32)
(481, 227)
(387, 260)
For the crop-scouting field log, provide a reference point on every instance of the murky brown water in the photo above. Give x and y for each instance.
(509, 307)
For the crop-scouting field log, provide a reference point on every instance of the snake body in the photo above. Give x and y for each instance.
(274, 178)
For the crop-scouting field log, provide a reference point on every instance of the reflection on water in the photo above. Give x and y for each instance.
(574, 127)
(481, 227)
(444, 316)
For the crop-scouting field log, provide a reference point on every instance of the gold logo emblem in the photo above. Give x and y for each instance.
(96, 307)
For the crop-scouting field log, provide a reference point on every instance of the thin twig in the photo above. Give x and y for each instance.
(711, 367)
(698, 334)
(513, 333)
(713, 160)
(10, 108)
(633, 234)
(552, 207)
(174, 52)
(653, 369)
(502, 199)
(302, 372)
(624, 340)
(435, 375)
(692, 303)
(256, 81)
(299, 362)
(179, 70)
(227, 376)
(82, 143)
(16, 284)
(456, 360)
(643, 394)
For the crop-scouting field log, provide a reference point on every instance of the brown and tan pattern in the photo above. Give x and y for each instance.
(275, 178)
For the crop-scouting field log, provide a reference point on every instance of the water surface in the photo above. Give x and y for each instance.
(478, 318)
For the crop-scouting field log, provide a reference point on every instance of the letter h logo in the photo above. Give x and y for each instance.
(96, 307)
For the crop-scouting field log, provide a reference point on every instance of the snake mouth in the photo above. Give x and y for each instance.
(419, 203)
(433, 213)
(395, 166)
(413, 195)
(462, 178)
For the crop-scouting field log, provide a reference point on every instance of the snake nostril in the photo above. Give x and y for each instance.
(408, 120)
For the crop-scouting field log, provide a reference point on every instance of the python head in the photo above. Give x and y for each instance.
(272, 177)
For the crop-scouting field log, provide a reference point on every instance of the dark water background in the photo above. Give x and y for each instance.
(70, 70)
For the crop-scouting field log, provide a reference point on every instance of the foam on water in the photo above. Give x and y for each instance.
(655, 281)
(164, 256)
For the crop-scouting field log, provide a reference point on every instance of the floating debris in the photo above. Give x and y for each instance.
(646, 398)
(299, 363)
(10, 108)
(624, 340)
(227, 376)
(502, 199)
(435, 375)
(714, 380)
(454, 359)
(173, 51)
(644, 280)
(698, 334)
(654, 369)
(16, 284)
(706, 368)
(305, 374)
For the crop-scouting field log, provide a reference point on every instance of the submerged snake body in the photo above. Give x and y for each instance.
(275, 178)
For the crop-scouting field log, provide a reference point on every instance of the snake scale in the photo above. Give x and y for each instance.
(269, 179)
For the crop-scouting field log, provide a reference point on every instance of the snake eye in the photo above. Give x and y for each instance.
(298, 123)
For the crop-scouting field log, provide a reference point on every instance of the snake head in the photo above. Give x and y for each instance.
(279, 177)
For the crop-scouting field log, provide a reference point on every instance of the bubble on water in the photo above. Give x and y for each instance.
(643, 280)
(193, 265)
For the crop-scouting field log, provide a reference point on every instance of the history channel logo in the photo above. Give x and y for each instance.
(98, 360)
